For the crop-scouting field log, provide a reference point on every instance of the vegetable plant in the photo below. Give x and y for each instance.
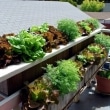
(82, 58)
(88, 55)
(38, 90)
(64, 76)
(98, 51)
(39, 94)
(85, 27)
(95, 48)
(69, 28)
(103, 39)
(42, 28)
(27, 45)
(93, 22)
(81, 67)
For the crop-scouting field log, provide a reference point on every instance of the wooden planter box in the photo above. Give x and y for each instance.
(63, 101)
(15, 83)
(91, 71)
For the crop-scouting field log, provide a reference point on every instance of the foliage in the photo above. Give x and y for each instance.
(88, 55)
(74, 3)
(92, 5)
(79, 2)
(92, 53)
(104, 73)
(85, 25)
(69, 28)
(64, 76)
(94, 22)
(37, 90)
(95, 49)
(103, 39)
(28, 45)
(39, 94)
(80, 65)
(82, 58)
(42, 28)
(98, 50)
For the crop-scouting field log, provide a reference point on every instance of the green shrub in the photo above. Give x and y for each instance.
(92, 5)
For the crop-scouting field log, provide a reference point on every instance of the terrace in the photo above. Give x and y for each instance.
(21, 14)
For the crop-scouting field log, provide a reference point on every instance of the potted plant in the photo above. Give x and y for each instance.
(103, 81)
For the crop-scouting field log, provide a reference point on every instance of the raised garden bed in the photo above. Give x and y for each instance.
(18, 74)
(66, 100)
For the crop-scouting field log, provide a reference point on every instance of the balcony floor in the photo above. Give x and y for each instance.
(92, 100)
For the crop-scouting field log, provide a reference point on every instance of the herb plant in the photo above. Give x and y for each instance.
(64, 76)
(28, 45)
(69, 28)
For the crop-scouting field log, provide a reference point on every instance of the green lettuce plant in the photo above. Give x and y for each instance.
(85, 25)
(28, 45)
(103, 39)
(95, 48)
(93, 23)
(42, 28)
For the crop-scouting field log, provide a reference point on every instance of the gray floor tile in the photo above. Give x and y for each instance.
(91, 100)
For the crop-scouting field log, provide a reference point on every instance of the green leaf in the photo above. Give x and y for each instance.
(28, 45)
(64, 76)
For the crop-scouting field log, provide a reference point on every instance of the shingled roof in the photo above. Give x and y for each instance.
(18, 15)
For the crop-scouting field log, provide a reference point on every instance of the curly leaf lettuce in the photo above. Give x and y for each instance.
(28, 45)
